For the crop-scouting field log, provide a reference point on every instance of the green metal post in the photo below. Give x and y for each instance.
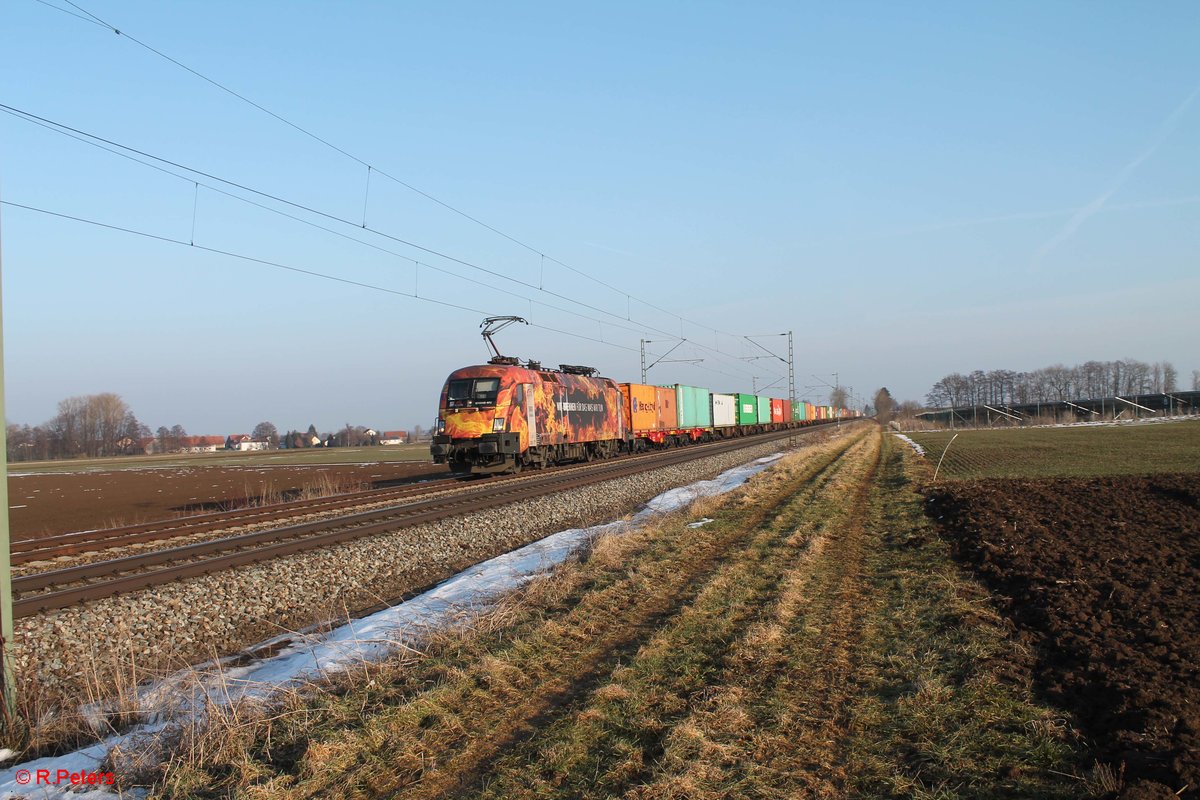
(6, 618)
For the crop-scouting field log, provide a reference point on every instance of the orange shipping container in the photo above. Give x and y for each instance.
(664, 404)
(649, 408)
(777, 410)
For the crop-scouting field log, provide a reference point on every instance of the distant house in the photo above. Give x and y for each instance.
(244, 442)
(393, 437)
(201, 444)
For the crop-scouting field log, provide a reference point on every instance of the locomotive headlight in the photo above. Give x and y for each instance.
(441, 425)
(497, 424)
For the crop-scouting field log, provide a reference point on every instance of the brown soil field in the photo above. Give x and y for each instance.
(1102, 578)
(43, 504)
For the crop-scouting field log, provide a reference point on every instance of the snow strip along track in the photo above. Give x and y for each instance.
(117, 576)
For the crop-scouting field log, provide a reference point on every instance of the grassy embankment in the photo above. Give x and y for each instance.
(1081, 452)
(814, 640)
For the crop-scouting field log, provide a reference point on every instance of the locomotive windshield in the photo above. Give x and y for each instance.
(470, 392)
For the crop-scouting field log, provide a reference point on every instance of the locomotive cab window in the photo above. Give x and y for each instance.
(467, 392)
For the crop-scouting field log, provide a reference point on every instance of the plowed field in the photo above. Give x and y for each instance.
(1102, 577)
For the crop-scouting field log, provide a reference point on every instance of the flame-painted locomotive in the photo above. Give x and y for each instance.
(504, 418)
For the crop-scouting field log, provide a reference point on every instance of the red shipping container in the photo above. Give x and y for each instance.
(776, 410)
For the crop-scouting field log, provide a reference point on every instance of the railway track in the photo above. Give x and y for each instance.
(29, 550)
(69, 586)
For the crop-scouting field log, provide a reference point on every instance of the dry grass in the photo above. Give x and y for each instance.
(945, 707)
(421, 721)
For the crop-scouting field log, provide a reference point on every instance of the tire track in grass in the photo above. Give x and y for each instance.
(769, 726)
(627, 727)
(944, 708)
(441, 742)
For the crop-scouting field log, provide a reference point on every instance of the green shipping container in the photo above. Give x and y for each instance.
(764, 409)
(693, 406)
(798, 411)
(747, 409)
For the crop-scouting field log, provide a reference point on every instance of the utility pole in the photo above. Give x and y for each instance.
(790, 363)
(837, 412)
(6, 617)
(791, 382)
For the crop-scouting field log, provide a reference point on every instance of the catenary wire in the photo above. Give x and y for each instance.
(315, 274)
(331, 231)
(98, 21)
(289, 268)
(107, 145)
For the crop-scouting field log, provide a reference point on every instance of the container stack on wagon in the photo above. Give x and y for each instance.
(502, 417)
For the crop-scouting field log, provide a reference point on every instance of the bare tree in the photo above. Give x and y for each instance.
(177, 437)
(837, 397)
(267, 431)
(1196, 380)
(885, 406)
(1170, 377)
(92, 425)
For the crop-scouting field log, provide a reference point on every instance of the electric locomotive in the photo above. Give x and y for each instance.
(504, 417)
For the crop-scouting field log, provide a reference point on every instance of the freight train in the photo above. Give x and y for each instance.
(504, 417)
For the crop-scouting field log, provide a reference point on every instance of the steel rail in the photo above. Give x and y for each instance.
(212, 556)
(28, 550)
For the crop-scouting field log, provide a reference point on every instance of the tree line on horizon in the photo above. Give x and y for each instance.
(1092, 379)
(99, 425)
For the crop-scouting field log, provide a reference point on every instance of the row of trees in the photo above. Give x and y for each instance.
(1057, 383)
(91, 425)
(103, 425)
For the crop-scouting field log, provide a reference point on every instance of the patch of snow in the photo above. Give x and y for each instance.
(302, 658)
(700, 523)
(920, 450)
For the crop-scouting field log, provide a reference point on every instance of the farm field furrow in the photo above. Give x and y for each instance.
(1102, 579)
(793, 646)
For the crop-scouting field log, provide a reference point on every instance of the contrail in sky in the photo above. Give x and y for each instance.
(934, 227)
(1082, 215)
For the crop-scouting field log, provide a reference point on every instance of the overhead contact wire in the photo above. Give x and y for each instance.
(108, 145)
(289, 268)
(97, 20)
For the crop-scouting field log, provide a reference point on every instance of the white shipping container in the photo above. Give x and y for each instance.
(724, 410)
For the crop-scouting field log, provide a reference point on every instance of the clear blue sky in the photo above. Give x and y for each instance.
(914, 189)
